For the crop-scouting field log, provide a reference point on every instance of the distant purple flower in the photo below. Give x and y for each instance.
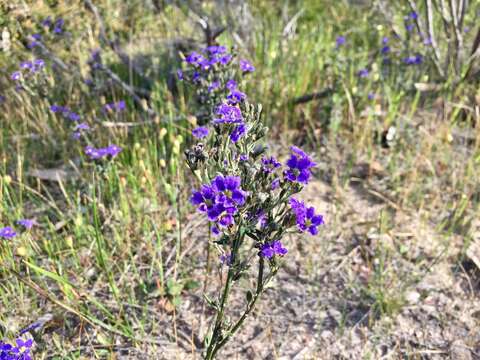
(269, 164)
(413, 15)
(243, 157)
(340, 41)
(38, 64)
(306, 218)
(196, 76)
(58, 29)
(371, 96)
(239, 131)
(363, 73)
(246, 66)
(15, 76)
(225, 59)
(37, 37)
(236, 97)
(299, 165)
(228, 115)
(275, 184)
(26, 65)
(180, 74)
(409, 27)
(213, 86)
(73, 116)
(7, 232)
(200, 132)
(231, 85)
(194, 58)
(427, 41)
(214, 50)
(385, 40)
(226, 259)
(385, 49)
(82, 126)
(413, 60)
(113, 150)
(115, 106)
(22, 350)
(33, 44)
(47, 22)
(268, 250)
(26, 223)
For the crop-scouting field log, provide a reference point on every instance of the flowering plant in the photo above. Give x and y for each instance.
(246, 195)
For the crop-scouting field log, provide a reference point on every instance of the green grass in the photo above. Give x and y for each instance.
(111, 240)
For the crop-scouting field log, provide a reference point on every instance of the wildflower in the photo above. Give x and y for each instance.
(413, 15)
(194, 58)
(22, 350)
(180, 74)
(371, 96)
(15, 76)
(204, 198)
(73, 116)
(231, 85)
(409, 27)
(243, 157)
(275, 184)
(268, 250)
(213, 86)
(413, 60)
(385, 49)
(115, 106)
(363, 73)
(226, 259)
(26, 65)
(269, 164)
(26, 223)
(238, 132)
(200, 132)
(47, 22)
(228, 190)
(246, 66)
(82, 126)
(225, 59)
(229, 115)
(57, 108)
(95, 154)
(7, 232)
(236, 97)
(214, 50)
(299, 165)
(58, 29)
(113, 150)
(305, 217)
(38, 64)
(385, 40)
(37, 37)
(340, 41)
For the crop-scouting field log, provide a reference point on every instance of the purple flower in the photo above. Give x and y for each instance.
(38, 64)
(299, 165)
(413, 60)
(225, 59)
(27, 223)
(58, 29)
(214, 50)
(115, 106)
(363, 73)
(213, 86)
(180, 74)
(385, 49)
(413, 15)
(194, 58)
(246, 66)
(268, 250)
(409, 27)
(385, 40)
(113, 150)
(305, 217)
(243, 157)
(37, 37)
(340, 41)
(228, 190)
(236, 97)
(204, 198)
(371, 96)
(231, 85)
(275, 184)
(73, 116)
(200, 132)
(26, 65)
(7, 232)
(82, 126)
(15, 76)
(270, 164)
(239, 131)
(228, 115)
(226, 259)
(47, 22)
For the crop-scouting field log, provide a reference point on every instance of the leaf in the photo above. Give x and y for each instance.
(249, 296)
(174, 288)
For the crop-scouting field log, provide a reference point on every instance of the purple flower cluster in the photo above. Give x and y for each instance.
(271, 249)
(413, 60)
(299, 165)
(65, 112)
(27, 68)
(7, 232)
(305, 217)
(228, 115)
(115, 106)
(21, 350)
(220, 200)
(95, 154)
(269, 164)
(200, 132)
